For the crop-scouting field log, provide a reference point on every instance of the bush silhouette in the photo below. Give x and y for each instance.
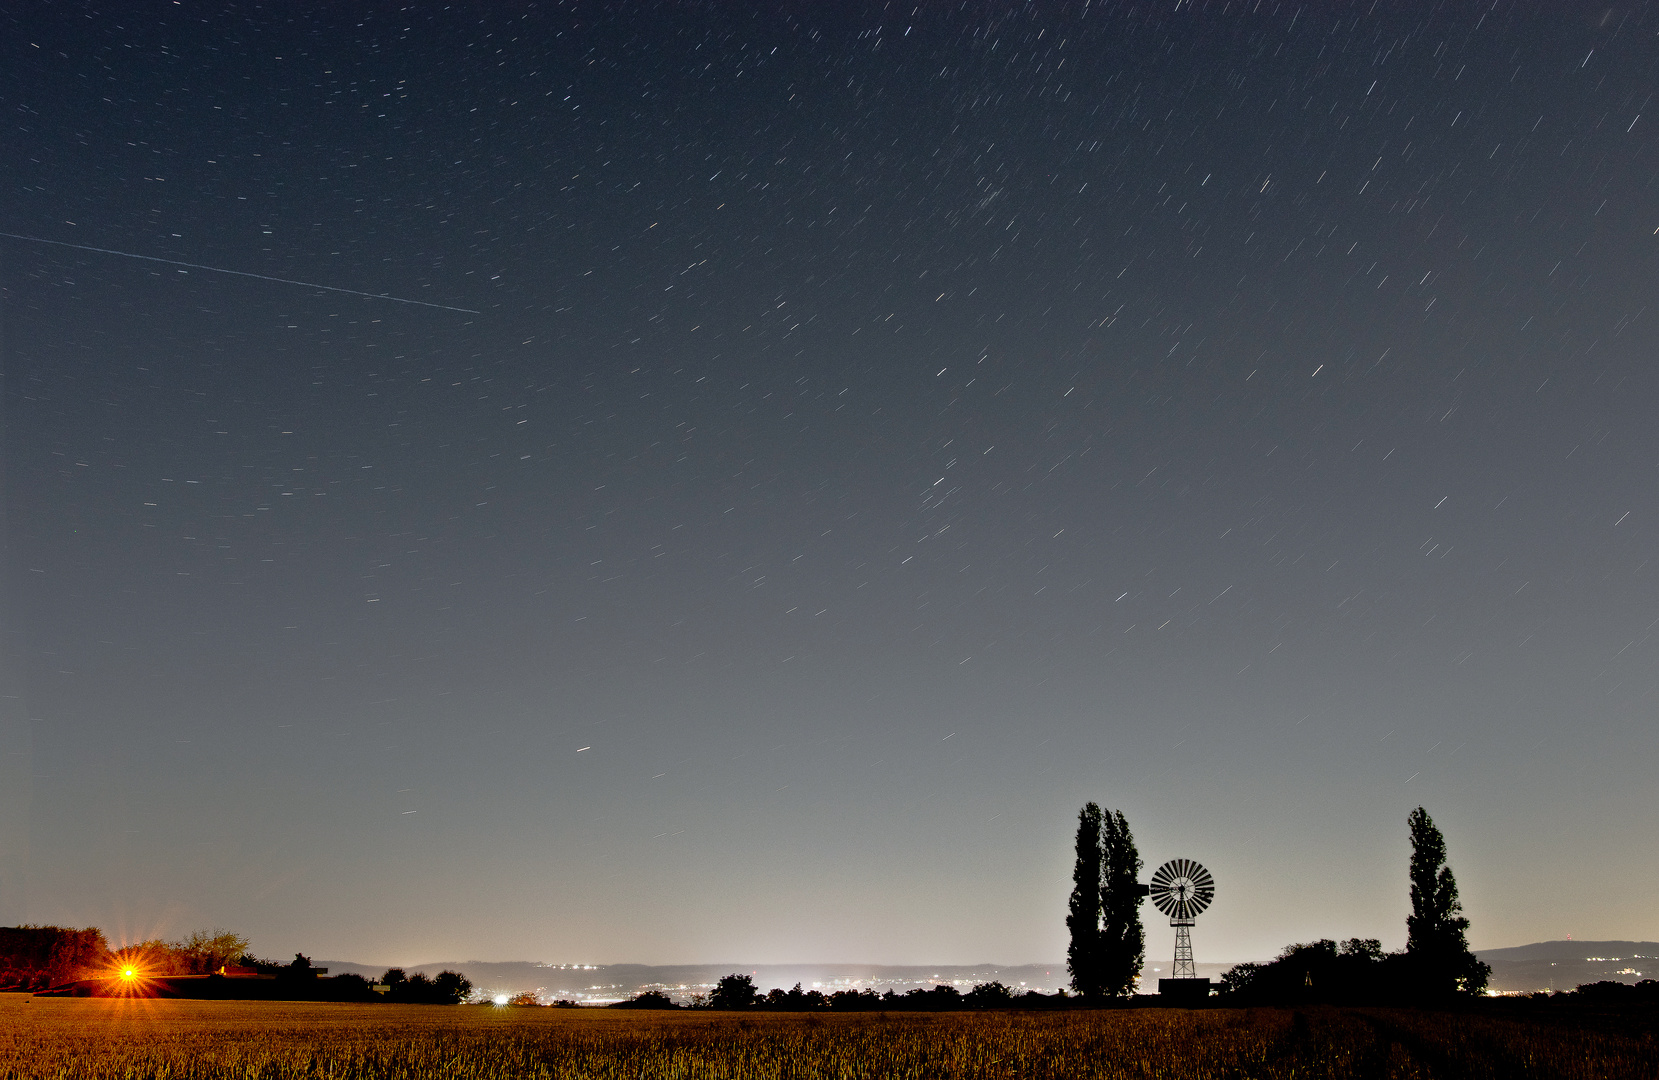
(991, 995)
(733, 992)
(449, 988)
(649, 999)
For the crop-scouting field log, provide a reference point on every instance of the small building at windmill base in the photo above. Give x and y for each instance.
(1185, 989)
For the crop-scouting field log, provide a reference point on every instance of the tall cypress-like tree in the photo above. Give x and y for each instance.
(1436, 927)
(1123, 939)
(1083, 958)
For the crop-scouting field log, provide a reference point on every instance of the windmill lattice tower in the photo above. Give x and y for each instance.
(1182, 889)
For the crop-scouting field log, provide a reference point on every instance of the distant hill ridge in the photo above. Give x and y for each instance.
(1562, 965)
(1571, 950)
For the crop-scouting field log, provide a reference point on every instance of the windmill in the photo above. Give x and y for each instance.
(1182, 889)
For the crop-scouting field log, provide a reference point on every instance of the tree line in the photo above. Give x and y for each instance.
(445, 988)
(1107, 942)
(738, 991)
(38, 958)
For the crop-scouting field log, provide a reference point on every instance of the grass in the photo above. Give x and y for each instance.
(72, 1039)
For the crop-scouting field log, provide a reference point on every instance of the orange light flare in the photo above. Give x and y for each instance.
(132, 972)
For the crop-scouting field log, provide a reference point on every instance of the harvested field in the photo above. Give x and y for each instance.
(73, 1039)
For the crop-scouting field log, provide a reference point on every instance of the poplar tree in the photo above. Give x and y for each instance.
(1123, 939)
(1083, 959)
(1436, 928)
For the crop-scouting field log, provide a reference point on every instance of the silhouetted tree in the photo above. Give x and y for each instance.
(153, 958)
(1122, 938)
(1365, 948)
(855, 1000)
(416, 989)
(1083, 954)
(940, 998)
(1607, 991)
(1436, 928)
(345, 988)
(450, 988)
(794, 1000)
(1355, 972)
(733, 992)
(1241, 979)
(36, 957)
(206, 951)
(991, 995)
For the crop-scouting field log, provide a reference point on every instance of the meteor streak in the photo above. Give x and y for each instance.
(238, 273)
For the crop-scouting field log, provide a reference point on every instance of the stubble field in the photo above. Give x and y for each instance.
(204, 1040)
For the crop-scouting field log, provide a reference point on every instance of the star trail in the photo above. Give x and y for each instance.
(814, 450)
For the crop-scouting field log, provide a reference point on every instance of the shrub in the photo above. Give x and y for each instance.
(650, 999)
(991, 995)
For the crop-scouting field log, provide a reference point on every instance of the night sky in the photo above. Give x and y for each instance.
(883, 430)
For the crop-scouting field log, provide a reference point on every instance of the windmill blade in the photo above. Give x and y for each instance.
(1162, 891)
(1203, 889)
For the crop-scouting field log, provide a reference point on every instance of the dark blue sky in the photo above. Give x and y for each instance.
(883, 431)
